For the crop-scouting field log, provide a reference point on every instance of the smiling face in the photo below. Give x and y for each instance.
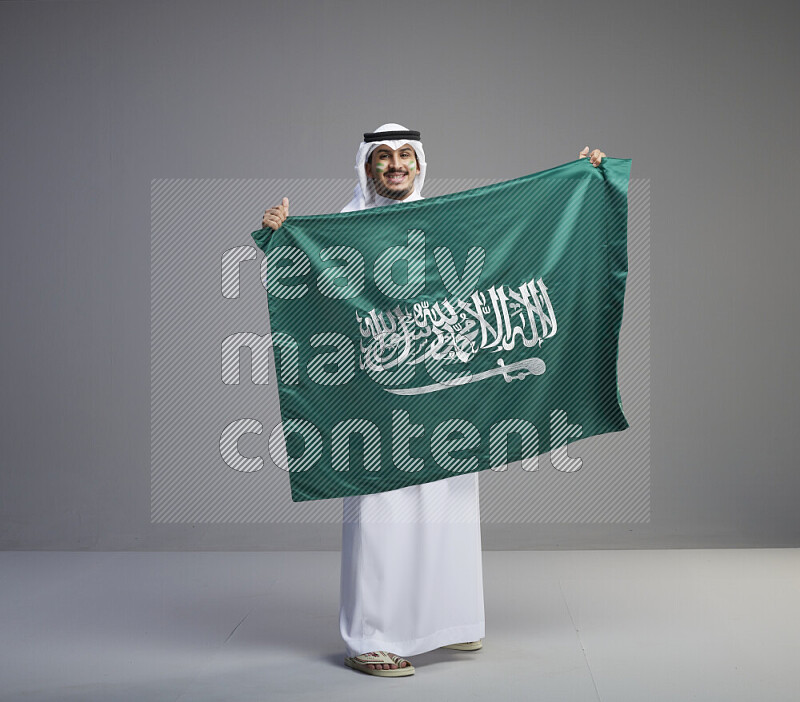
(393, 171)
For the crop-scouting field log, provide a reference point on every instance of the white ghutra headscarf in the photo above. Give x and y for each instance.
(364, 195)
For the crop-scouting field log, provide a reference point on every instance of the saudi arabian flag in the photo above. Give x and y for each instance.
(428, 339)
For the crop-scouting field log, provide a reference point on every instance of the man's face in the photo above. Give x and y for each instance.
(393, 171)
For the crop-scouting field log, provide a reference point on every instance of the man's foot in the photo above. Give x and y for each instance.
(466, 646)
(380, 663)
(387, 666)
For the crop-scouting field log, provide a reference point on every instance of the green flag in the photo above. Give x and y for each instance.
(428, 339)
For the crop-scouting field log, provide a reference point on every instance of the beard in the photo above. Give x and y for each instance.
(394, 193)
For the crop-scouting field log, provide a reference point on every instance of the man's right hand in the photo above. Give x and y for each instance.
(275, 216)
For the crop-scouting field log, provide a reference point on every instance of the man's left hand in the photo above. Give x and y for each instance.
(595, 157)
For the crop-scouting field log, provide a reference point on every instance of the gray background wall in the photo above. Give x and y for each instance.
(100, 98)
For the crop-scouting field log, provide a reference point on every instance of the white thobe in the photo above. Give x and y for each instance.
(412, 577)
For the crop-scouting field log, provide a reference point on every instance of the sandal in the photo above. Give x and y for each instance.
(361, 662)
(468, 646)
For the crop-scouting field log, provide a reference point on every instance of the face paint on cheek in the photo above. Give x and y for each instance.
(380, 167)
(412, 166)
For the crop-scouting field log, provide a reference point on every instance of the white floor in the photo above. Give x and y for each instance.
(568, 625)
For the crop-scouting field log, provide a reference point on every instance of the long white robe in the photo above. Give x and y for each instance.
(412, 577)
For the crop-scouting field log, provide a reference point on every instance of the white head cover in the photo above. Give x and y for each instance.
(364, 195)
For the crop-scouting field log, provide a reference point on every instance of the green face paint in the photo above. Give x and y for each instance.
(412, 166)
(380, 167)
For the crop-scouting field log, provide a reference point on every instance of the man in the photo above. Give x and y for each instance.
(411, 571)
